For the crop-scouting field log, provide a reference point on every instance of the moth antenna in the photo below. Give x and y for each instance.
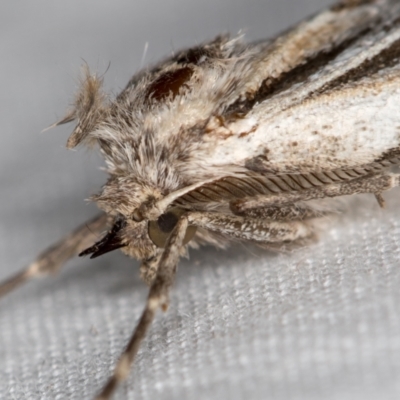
(52, 259)
(158, 297)
(160, 206)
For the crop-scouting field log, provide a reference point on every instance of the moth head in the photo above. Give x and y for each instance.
(143, 239)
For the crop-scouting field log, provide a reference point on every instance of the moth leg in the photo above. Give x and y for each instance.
(158, 297)
(244, 228)
(51, 260)
(250, 229)
(148, 269)
(375, 184)
(294, 212)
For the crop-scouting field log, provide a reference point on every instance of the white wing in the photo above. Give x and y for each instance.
(353, 126)
(338, 109)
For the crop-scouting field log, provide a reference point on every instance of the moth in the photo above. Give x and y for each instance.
(234, 142)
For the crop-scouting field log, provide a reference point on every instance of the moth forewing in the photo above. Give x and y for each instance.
(229, 141)
(343, 129)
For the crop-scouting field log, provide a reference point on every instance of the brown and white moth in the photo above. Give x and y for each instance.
(229, 141)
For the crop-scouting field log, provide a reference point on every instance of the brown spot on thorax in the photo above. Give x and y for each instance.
(169, 84)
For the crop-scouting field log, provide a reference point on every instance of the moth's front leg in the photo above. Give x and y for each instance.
(232, 226)
(158, 298)
(51, 260)
(375, 184)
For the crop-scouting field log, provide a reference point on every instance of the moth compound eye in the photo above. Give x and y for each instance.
(160, 230)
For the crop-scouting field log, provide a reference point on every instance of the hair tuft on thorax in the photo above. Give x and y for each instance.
(88, 109)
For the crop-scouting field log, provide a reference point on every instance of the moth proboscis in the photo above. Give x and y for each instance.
(228, 141)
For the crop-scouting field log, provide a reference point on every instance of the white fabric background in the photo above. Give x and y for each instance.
(320, 323)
